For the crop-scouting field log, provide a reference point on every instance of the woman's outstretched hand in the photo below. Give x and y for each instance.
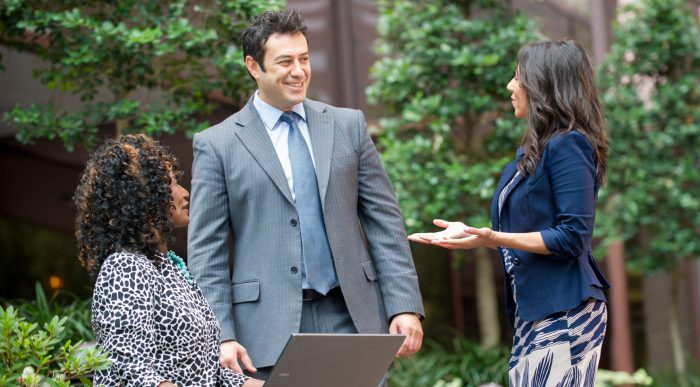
(456, 235)
(452, 230)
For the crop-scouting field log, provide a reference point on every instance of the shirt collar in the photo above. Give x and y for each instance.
(270, 115)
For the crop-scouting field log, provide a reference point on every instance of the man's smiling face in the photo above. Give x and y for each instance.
(287, 73)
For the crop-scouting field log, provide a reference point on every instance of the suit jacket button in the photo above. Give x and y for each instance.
(516, 261)
(294, 270)
(293, 222)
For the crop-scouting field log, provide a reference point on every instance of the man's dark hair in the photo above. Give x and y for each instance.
(255, 36)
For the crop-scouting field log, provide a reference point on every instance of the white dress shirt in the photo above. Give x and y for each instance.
(278, 132)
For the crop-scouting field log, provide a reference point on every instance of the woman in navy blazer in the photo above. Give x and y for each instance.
(542, 214)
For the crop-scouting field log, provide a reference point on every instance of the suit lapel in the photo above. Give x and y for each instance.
(321, 132)
(254, 137)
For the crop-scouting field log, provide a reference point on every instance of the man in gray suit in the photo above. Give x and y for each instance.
(318, 238)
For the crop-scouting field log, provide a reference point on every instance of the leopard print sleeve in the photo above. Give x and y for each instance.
(230, 378)
(123, 321)
(156, 325)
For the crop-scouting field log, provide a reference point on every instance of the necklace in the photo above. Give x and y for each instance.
(180, 264)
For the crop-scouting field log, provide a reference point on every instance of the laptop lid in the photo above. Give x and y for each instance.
(339, 360)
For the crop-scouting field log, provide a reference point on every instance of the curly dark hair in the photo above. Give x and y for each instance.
(256, 34)
(124, 200)
(562, 96)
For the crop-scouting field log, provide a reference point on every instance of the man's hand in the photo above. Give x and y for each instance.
(231, 352)
(254, 383)
(408, 324)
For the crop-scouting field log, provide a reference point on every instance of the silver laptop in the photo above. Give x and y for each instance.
(338, 360)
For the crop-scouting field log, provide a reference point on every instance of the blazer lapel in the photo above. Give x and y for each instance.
(517, 181)
(321, 132)
(506, 177)
(254, 137)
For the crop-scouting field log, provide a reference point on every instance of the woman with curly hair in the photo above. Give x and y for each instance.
(542, 214)
(147, 311)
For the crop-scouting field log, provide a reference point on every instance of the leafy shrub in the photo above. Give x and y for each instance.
(33, 356)
(43, 309)
(464, 363)
(37, 346)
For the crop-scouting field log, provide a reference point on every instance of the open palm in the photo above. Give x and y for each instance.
(456, 235)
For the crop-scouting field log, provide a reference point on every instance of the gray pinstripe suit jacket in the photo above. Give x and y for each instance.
(238, 184)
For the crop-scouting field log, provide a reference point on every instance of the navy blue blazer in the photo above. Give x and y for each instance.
(559, 201)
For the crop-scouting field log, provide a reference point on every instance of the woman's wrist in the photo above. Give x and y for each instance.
(494, 239)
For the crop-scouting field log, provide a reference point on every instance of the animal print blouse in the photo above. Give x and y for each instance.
(156, 326)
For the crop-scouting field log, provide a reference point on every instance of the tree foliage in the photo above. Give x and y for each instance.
(650, 85)
(146, 66)
(441, 78)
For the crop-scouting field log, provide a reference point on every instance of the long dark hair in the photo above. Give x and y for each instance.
(560, 85)
(124, 200)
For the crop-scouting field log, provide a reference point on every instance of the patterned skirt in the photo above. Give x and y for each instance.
(562, 350)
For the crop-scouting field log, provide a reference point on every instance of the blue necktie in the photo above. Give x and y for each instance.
(316, 251)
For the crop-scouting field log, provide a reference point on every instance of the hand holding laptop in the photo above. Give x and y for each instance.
(230, 353)
(409, 325)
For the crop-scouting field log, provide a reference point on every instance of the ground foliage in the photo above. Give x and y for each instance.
(43, 341)
(461, 362)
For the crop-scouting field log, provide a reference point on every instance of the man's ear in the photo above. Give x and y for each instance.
(253, 66)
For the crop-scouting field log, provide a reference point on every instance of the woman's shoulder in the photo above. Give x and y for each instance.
(126, 270)
(122, 261)
(571, 139)
(566, 147)
(568, 136)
